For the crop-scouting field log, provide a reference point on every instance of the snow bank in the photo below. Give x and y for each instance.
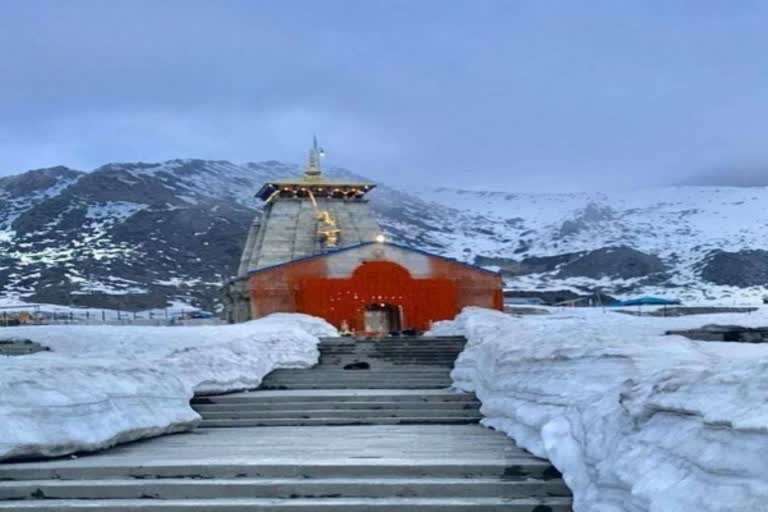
(635, 421)
(102, 385)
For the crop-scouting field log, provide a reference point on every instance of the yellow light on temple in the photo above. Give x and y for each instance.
(380, 238)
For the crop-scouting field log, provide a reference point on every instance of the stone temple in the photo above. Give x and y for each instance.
(316, 248)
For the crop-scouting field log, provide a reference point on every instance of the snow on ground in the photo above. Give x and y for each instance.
(102, 385)
(635, 420)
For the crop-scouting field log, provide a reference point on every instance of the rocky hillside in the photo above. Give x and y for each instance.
(699, 244)
(138, 236)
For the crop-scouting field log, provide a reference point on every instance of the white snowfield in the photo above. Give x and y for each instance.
(102, 385)
(635, 421)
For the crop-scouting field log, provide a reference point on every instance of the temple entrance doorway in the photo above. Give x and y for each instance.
(382, 318)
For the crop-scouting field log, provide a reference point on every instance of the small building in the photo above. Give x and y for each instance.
(317, 249)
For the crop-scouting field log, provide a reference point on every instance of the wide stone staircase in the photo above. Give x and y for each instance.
(344, 407)
(373, 427)
(402, 363)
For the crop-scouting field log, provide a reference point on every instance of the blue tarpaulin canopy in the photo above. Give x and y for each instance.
(649, 301)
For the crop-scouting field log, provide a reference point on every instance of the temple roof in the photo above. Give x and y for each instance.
(313, 183)
(306, 215)
(321, 187)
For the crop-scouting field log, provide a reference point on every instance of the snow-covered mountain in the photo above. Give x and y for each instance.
(696, 243)
(139, 235)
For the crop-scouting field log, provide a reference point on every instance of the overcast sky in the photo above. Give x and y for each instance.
(519, 95)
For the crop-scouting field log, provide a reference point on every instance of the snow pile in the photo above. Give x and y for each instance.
(102, 385)
(635, 421)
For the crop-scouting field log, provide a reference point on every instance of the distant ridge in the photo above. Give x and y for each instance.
(732, 177)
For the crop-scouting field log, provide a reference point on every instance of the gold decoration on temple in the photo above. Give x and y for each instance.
(328, 230)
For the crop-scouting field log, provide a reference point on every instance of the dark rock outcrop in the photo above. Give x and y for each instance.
(551, 297)
(592, 214)
(532, 265)
(715, 332)
(741, 268)
(37, 180)
(614, 262)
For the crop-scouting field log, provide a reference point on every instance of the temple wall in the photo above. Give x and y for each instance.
(250, 244)
(277, 289)
(288, 230)
(344, 263)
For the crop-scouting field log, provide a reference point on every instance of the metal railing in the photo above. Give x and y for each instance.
(35, 314)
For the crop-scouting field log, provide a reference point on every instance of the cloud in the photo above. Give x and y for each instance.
(513, 95)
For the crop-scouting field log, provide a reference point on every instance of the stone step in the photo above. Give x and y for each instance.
(357, 383)
(392, 363)
(394, 349)
(384, 364)
(404, 354)
(335, 406)
(375, 372)
(333, 373)
(405, 351)
(347, 395)
(175, 488)
(520, 467)
(400, 349)
(369, 385)
(394, 345)
(425, 348)
(355, 379)
(389, 363)
(420, 343)
(369, 468)
(392, 352)
(394, 339)
(338, 413)
(339, 421)
(380, 371)
(554, 504)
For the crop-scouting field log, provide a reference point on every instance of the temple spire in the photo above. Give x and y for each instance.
(313, 171)
(313, 183)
